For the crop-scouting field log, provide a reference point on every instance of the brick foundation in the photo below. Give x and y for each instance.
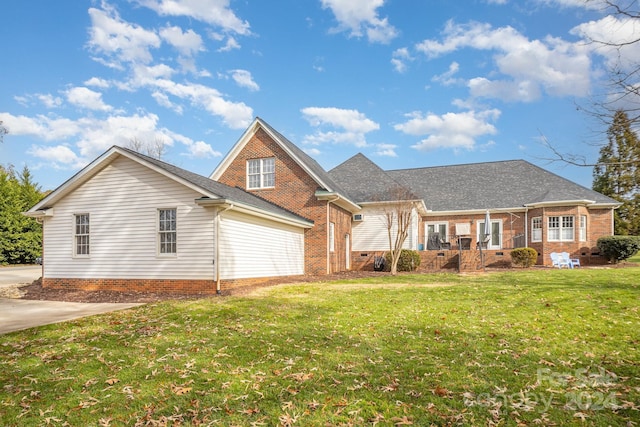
(168, 286)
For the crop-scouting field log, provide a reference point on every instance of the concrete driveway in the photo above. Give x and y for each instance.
(18, 314)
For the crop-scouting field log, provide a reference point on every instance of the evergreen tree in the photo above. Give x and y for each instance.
(20, 236)
(617, 173)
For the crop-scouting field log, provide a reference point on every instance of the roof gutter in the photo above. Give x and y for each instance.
(583, 202)
(421, 207)
(39, 214)
(339, 200)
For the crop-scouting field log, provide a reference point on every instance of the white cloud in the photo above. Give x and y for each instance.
(312, 151)
(360, 17)
(447, 78)
(214, 12)
(352, 125)
(201, 149)
(97, 82)
(386, 150)
(399, 59)
(350, 120)
(236, 115)
(59, 156)
(552, 65)
(450, 130)
(610, 32)
(41, 126)
(163, 100)
(187, 43)
(118, 40)
(231, 44)
(89, 136)
(86, 98)
(585, 4)
(49, 100)
(244, 79)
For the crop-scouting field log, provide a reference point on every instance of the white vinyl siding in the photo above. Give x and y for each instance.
(124, 199)
(370, 234)
(255, 247)
(167, 232)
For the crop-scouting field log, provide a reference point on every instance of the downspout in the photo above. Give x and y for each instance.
(328, 247)
(216, 261)
(526, 227)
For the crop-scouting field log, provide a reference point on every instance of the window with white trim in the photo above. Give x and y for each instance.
(167, 232)
(440, 228)
(536, 229)
(560, 228)
(583, 228)
(261, 173)
(81, 235)
(332, 237)
(492, 235)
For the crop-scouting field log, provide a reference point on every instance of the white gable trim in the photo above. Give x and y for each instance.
(96, 166)
(246, 137)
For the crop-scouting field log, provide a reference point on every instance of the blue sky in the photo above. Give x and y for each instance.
(408, 83)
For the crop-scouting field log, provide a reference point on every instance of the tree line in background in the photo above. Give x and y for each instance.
(617, 173)
(20, 236)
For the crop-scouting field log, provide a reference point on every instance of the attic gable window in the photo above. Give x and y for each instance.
(261, 173)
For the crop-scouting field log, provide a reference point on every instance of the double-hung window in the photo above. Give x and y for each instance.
(81, 235)
(536, 229)
(332, 237)
(560, 228)
(167, 232)
(583, 228)
(261, 173)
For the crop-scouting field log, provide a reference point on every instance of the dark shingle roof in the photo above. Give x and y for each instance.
(364, 181)
(491, 185)
(309, 162)
(221, 190)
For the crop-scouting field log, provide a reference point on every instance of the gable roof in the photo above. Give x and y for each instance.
(210, 190)
(364, 181)
(327, 185)
(508, 184)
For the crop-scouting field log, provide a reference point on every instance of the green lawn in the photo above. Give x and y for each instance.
(536, 347)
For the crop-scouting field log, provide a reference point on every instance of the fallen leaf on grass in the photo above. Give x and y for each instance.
(404, 421)
(112, 381)
(177, 390)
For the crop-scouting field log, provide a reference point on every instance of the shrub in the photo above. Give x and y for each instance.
(524, 257)
(618, 248)
(409, 260)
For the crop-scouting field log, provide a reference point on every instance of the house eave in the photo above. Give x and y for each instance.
(40, 213)
(251, 210)
(463, 212)
(339, 200)
(421, 207)
(556, 203)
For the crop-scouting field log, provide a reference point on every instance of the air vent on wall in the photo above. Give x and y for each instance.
(357, 217)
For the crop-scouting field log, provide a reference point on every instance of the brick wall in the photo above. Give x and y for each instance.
(598, 225)
(195, 287)
(295, 190)
(133, 285)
